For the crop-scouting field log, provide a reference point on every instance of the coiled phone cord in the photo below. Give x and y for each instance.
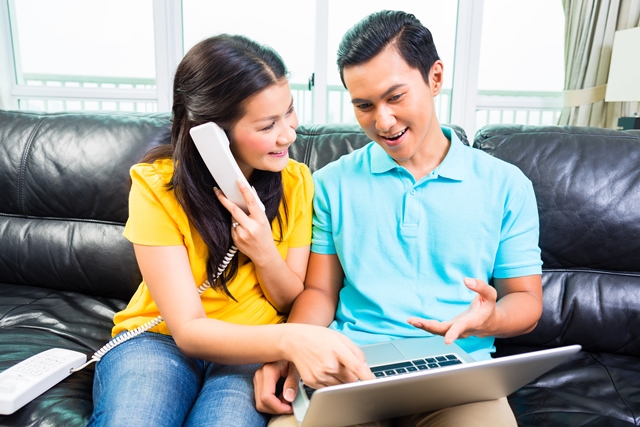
(150, 324)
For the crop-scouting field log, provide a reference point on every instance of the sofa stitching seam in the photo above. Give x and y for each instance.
(606, 368)
(588, 270)
(25, 305)
(314, 132)
(308, 150)
(22, 172)
(483, 136)
(53, 218)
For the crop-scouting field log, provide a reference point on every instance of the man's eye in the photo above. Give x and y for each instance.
(395, 97)
(363, 106)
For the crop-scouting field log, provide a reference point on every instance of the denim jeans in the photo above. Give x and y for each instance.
(148, 381)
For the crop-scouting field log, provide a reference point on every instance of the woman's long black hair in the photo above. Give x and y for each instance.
(212, 83)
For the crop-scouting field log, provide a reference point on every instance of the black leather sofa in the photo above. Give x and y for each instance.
(65, 267)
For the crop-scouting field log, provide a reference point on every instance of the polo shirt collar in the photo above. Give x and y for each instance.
(452, 166)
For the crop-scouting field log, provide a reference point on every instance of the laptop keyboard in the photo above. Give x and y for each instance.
(415, 365)
(408, 367)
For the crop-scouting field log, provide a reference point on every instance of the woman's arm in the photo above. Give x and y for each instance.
(325, 357)
(316, 305)
(167, 273)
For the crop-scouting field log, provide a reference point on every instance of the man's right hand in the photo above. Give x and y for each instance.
(264, 384)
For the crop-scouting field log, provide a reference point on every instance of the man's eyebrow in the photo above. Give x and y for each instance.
(384, 95)
(275, 116)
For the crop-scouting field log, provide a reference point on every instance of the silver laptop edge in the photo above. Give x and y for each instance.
(422, 391)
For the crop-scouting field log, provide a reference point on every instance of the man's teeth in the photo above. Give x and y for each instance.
(396, 136)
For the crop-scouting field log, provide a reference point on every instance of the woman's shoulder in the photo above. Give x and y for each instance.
(296, 171)
(157, 173)
(297, 181)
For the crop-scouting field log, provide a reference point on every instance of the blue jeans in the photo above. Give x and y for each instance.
(148, 381)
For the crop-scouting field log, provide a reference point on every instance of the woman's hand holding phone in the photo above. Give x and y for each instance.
(251, 232)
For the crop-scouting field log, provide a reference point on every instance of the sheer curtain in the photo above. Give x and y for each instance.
(589, 29)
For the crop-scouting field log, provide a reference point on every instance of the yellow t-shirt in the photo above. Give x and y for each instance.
(157, 219)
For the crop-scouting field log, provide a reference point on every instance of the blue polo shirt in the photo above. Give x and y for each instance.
(406, 246)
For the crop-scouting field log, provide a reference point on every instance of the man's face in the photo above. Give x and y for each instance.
(393, 103)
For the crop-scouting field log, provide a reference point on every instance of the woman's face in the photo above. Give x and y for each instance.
(261, 138)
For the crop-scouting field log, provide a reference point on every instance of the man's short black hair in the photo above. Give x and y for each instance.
(375, 32)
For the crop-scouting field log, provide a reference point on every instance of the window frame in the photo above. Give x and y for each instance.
(168, 52)
(464, 106)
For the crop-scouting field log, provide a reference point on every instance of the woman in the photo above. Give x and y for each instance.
(196, 368)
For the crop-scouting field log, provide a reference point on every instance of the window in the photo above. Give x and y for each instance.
(121, 55)
(521, 68)
(285, 25)
(438, 16)
(78, 55)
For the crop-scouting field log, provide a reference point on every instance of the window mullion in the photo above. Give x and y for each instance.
(8, 53)
(466, 64)
(169, 49)
(321, 58)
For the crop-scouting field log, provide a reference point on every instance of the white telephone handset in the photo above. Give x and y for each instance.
(213, 145)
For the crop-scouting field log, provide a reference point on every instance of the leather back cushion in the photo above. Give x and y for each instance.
(317, 145)
(64, 184)
(587, 185)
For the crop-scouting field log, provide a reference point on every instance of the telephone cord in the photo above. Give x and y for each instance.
(150, 324)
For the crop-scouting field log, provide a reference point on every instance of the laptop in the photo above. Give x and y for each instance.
(415, 375)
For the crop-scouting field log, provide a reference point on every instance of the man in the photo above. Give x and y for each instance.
(409, 231)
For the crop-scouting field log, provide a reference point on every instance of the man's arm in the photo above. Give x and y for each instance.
(512, 308)
(519, 303)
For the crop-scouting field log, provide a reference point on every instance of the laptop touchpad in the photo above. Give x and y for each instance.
(380, 354)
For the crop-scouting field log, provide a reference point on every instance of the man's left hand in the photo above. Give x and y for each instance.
(477, 320)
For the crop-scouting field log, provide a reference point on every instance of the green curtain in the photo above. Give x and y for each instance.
(590, 26)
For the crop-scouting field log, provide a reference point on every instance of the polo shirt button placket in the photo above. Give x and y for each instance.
(411, 214)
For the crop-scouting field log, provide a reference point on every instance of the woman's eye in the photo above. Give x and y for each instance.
(395, 97)
(268, 128)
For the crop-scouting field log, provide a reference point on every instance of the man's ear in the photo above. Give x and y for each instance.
(436, 77)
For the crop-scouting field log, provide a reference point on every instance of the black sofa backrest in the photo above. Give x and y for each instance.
(587, 185)
(64, 187)
(317, 145)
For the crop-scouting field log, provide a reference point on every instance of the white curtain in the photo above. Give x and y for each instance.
(589, 29)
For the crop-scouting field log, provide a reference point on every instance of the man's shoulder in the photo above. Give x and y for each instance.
(488, 166)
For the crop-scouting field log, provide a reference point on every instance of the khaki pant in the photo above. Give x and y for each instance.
(493, 413)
